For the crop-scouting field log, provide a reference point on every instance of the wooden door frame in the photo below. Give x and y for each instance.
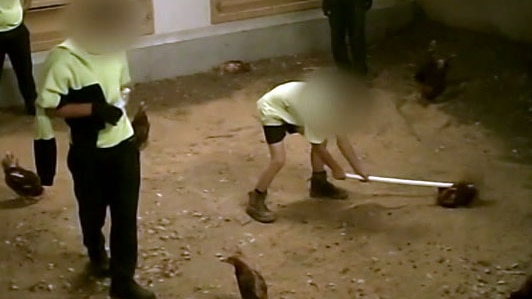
(218, 17)
(44, 22)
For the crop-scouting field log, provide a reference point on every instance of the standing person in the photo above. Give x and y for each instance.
(291, 108)
(15, 43)
(347, 20)
(82, 82)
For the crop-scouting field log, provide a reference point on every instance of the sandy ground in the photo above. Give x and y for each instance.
(385, 242)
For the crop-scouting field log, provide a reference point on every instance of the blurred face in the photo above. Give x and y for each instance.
(344, 102)
(103, 26)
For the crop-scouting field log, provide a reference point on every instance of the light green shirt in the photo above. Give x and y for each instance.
(287, 103)
(68, 67)
(11, 14)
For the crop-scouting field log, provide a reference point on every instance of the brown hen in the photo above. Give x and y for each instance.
(250, 283)
(141, 126)
(25, 183)
(432, 74)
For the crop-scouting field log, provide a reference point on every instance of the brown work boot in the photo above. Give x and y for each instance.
(257, 208)
(321, 188)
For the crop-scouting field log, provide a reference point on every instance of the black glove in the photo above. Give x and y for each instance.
(107, 113)
(45, 156)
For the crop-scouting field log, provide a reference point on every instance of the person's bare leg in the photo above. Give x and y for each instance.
(316, 162)
(257, 208)
(277, 159)
(319, 186)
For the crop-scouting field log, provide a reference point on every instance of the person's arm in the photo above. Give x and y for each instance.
(71, 111)
(108, 113)
(322, 152)
(350, 155)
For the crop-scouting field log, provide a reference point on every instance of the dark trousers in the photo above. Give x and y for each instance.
(16, 44)
(347, 19)
(108, 178)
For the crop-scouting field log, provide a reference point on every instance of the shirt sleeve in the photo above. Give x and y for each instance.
(55, 82)
(44, 129)
(126, 76)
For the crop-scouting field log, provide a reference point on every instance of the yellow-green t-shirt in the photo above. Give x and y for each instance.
(69, 68)
(286, 104)
(11, 14)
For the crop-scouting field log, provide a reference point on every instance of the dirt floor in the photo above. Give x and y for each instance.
(386, 241)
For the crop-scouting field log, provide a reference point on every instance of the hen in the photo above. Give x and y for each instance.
(24, 182)
(234, 67)
(432, 74)
(250, 283)
(141, 126)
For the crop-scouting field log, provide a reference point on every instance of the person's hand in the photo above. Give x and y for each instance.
(108, 113)
(338, 174)
(365, 177)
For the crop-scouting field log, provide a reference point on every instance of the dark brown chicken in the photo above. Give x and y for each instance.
(250, 283)
(25, 183)
(141, 126)
(432, 74)
(525, 292)
(460, 195)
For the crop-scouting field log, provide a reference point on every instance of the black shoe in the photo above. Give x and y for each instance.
(129, 289)
(321, 188)
(257, 208)
(99, 267)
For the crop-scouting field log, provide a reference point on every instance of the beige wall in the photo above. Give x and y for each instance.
(510, 18)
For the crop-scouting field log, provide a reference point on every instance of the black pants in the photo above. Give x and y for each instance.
(347, 19)
(16, 44)
(108, 178)
(275, 134)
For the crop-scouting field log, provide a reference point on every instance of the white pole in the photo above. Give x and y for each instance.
(400, 181)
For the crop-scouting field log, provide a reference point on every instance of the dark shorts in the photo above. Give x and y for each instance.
(275, 134)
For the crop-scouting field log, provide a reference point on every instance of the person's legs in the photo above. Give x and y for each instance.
(257, 208)
(338, 22)
(357, 35)
(91, 209)
(316, 162)
(122, 185)
(19, 52)
(319, 186)
(277, 159)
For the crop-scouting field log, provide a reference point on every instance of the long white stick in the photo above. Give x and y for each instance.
(400, 181)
